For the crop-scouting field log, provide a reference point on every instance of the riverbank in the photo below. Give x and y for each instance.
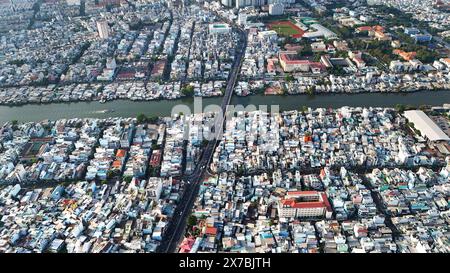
(128, 108)
(140, 91)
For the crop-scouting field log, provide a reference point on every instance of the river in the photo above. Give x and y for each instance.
(126, 108)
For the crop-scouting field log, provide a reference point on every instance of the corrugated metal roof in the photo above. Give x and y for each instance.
(426, 126)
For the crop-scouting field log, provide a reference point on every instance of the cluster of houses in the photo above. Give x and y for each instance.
(135, 90)
(429, 11)
(262, 47)
(58, 49)
(270, 57)
(371, 82)
(308, 181)
(211, 53)
(171, 164)
(406, 192)
(262, 199)
(102, 60)
(417, 231)
(316, 138)
(86, 217)
(16, 15)
(70, 150)
(205, 49)
(282, 213)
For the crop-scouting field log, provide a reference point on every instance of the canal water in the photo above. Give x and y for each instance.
(126, 108)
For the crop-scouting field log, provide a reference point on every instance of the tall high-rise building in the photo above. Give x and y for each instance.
(103, 29)
(242, 19)
(258, 3)
(276, 9)
(247, 3)
(111, 63)
(280, 1)
(227, 3)
(73, 2)
(374, 2)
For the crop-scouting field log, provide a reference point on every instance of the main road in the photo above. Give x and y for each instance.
(176, 228)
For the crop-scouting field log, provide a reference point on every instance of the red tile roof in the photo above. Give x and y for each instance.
(117, 164)
(364, 28)
(289, 60)
(323, 203)
(121, 153)
(211, 231)
(302, 205)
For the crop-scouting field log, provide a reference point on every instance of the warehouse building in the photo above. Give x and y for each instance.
(426, 126)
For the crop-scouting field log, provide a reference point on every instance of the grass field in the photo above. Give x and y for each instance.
(286, 28)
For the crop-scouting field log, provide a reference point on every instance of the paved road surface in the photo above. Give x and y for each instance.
(176, 228)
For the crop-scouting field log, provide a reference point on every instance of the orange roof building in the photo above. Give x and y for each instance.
(211, 231)
(446, 61)
(381, 36)
(364, 29)
(117, 164)
(407, 56)
(121, 153)
(370, 28)
(378, 28)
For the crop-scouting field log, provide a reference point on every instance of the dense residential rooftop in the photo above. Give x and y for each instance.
(155, 50)
(316, 180)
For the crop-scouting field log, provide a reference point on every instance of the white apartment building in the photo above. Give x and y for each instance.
(103, 29)
(276, 9)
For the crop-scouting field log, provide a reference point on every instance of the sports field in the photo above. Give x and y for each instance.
(286, 28)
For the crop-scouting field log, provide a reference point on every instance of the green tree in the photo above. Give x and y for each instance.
(317, 57)
(400, 108)
(192, 220)
(305, 51)
(14, 124)
(127, 179)
(423, 107)
(155, 146)
(426, 56)
(152, 119)
(112, 173)
(345, 32)
(289, 78)
(311, 90)
(17, 62)
(188, 91)
(304, 109)
(141, 118)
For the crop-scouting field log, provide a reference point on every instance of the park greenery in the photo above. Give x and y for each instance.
(192, 220)
(142, 118)
(188, 91)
